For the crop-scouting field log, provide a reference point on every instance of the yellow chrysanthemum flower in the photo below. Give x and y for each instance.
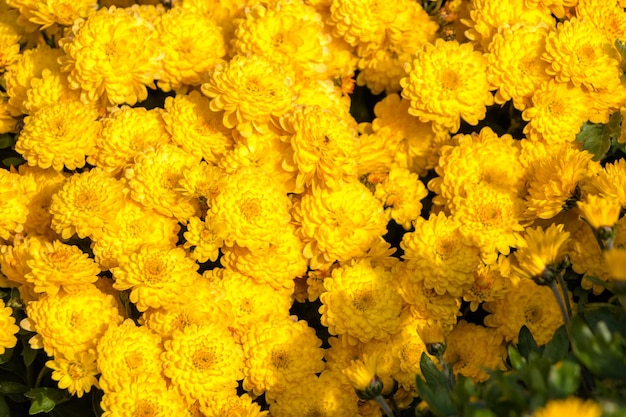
(324, 146)
(9, 44)
(407, 348)
(157, 276)
(51, 88)
(59, 135)
(249, 89)
(148, 396)
(580, 53)
(487, 17)
(192, 45)
(8, 123)
(55, 265)
(447, 81)
(133, 226)
(340, 224)
(372, 21)
(47, 183)
(76, 373)
(555, 181)
(154, 181)
(571, 406)
(277, 266)
(290, 34)
(65, 326)
(361, 302)
(600, 212)
(401, 194)
(195, 128)
(610, 182)
(48, 13)
(30, 65)
(232, 405)
(113, 55)
(203, 360)
(273, 356)
(322, 396)
(252, 208)
(540, 252)
(607, 16)
(8, 328)
(474, 162)
(14, 192)
(441, 255)
(515, 65)
(86, 203)
(491, 282)
(126, 131)
(203, 239)
(525, 304)
(252, 302)
(125, 352)
(473, 348)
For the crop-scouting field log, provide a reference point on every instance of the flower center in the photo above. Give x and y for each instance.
(203, 359)
(450, 80)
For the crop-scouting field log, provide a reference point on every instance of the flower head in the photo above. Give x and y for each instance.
(77, 373)
(362, 374)
(571, 406)
(540, 254)
(8, 328)
(447, 81)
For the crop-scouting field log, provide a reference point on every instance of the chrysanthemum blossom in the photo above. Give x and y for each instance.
(447, 82)
(361, 302)
(540, 252)
(401, 194)
(113, 55)
(600, 212)
(48, 13)
(14, 192)
(77, 373)
(8, 327)
(571, 406)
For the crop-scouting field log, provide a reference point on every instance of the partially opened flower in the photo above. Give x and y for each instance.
(541, 253)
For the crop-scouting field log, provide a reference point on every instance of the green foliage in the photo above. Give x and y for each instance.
(597, 138)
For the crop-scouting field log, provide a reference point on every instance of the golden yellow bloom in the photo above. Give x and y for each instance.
(55, 265)
(192, 45)
(324, 147)
(339, 225)
(587, 256)
(608, 16)
(473, 348)
(203, 238)
(362, 373)
(8, 329)
(148, 396)
(113, 55)
(540, 253)
(571, 406)
(555, 180)
(252, 208)
(290, 34)
(64, 323)
(196, 128)
(76, 373)
(580, 53)
(158, 275)
(491, 282)
(14, 191)
(59, 135)
(86, 203)
(154, 181)
(127, 131)
(273, 356)
(599, 212)
(525, 304)
(51, 88)
(277, 266)
(447, 81)
(610, 182)
(407, 347)
(48, 182)
(401, 194)
(9, 44)
(48, 13)
(323, 396)
(515, 65)
(133, 226)
(441, 255)
(249, 89)
(232, 405)
(361, 301)
(125, 352)
(203, 360)
(8, 123)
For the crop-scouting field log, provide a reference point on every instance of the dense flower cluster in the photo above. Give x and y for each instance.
(205, 157)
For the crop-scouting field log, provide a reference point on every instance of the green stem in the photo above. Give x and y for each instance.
(566, 317)
(447, 372)
(383, 404)
(565, 294)
(45, 370)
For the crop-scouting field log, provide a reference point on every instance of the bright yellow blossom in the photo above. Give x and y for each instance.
(76, 373)
(14, 191)
(48, 13)
(600, 212)
(571, 406)
(8, 327)
(541, 252)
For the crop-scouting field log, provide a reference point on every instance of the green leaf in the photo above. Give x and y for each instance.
(596, 138)
(433, 376)
(6, 356)
(564, 379)
(558, 348)
(5, 411)
(43, 400)
(517, 361)
(13, 160)
(6, 141)
(28, 354)
(526, 342)
(12, 387)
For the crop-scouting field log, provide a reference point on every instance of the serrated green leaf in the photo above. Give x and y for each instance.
(6, 141)
(12, 387)
(13, 160)
(564, 379)
(5, 411)
(596, 138)
(558, 347)
(526, 342)
(44, 399)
